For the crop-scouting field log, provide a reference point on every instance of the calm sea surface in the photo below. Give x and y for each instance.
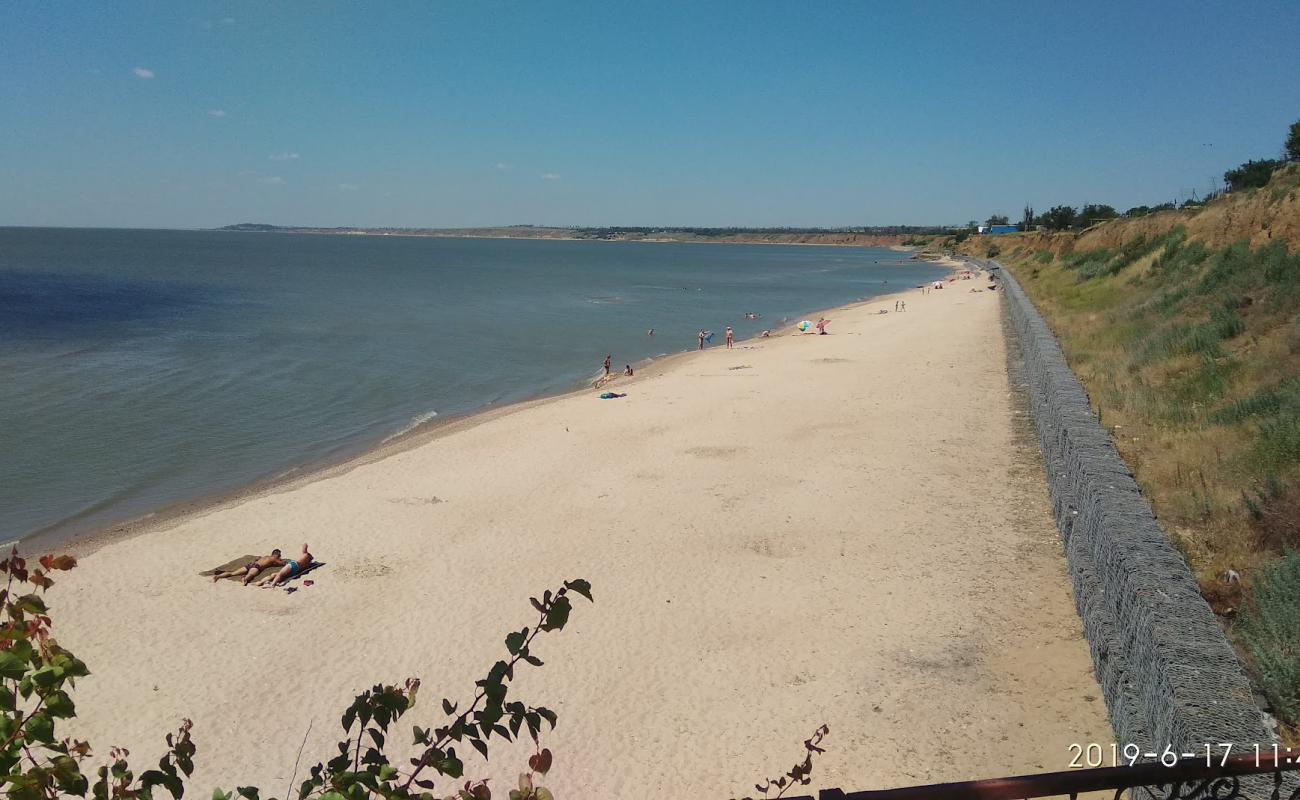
(143, 368)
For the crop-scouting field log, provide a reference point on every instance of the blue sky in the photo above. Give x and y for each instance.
(170, 114)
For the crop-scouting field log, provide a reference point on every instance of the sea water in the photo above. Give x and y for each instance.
(140, 369)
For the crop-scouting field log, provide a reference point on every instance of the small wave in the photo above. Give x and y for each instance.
(415, 422)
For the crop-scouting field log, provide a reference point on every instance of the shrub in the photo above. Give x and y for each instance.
(1269, 630)
(1252, 174)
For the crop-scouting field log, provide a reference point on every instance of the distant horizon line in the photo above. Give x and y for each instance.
(252, 226)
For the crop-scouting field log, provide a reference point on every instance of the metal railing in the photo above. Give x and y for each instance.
(1187, 779)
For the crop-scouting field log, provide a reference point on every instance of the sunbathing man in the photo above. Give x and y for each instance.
(292, 569)
(253, 568)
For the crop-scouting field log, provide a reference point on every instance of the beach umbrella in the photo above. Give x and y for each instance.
(805, 326)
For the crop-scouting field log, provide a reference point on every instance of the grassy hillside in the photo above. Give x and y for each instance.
(1185, 329)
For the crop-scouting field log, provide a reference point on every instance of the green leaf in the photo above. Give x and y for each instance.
(548, 715)
(32, 604)
(24, 650)
(40, 728)
(60, 705)
(448, 707)
(249, 792)
(450, 765)
(11, 666)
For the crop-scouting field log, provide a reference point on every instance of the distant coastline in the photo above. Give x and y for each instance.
(892, 236)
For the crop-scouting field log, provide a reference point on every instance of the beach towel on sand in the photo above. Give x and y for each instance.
(234, 563)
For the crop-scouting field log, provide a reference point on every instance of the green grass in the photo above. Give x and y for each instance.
(1266, 402)
(1270, 631)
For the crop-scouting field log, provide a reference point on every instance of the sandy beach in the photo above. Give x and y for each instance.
(849, 529)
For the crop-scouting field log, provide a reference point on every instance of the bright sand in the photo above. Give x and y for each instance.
(848, 529)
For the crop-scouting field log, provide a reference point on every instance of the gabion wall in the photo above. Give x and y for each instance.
(1168, 673)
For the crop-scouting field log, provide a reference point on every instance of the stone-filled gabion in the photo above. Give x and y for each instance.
(1167, 671)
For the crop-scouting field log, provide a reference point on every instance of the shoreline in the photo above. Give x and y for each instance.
(174, 514)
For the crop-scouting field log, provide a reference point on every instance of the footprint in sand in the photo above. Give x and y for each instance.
(365, 569)
(713, 452)
(417, 501)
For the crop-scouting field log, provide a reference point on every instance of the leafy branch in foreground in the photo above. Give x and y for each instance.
(800, 774)
(36, 675)
(362, 768)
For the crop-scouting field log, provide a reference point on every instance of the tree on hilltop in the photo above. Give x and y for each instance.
(1252, 174)
(1093, 213)
(1058, 218)
(1293, 142)
(997, 219)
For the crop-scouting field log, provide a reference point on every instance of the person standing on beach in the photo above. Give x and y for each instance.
(701, 339)
(730, 337)
(607, 365)
(902, 305)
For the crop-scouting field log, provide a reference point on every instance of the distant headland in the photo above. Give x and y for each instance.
(876, 236)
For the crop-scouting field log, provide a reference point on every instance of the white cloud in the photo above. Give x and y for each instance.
(216, 112)
(141, 72)
(272, 180)
(349, 187)
(247, 173)
(284, 156)
(550, 176)
(503, 166)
